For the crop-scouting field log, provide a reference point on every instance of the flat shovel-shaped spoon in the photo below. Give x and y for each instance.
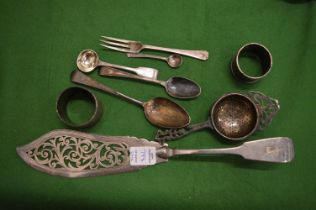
(76, 154)
(178, 87)
(159, 111)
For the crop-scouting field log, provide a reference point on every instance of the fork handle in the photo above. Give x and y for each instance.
(142, 55)
(199, 54)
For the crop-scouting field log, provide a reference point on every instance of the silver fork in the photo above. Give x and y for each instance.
(130, 46)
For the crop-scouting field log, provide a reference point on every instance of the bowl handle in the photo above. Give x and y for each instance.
(267, 106)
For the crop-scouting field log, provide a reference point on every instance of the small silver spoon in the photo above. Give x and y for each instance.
(178, 87)
(174, 60)
(88, 60)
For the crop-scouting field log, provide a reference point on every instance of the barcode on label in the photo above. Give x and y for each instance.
(140, 156)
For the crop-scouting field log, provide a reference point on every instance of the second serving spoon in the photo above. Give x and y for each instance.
(178, 87)
(159, 111)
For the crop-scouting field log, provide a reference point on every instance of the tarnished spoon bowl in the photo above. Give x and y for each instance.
(174, 60)
(178, 87)
(87, 60)
(181, 87)
(165, 113)
(235, 116)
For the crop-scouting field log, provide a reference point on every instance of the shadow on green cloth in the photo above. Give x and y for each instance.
(42, 202)
(297, 1)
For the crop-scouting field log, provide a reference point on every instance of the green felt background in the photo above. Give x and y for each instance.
(39, 43)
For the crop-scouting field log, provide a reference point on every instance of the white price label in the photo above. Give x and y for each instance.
(142, 156)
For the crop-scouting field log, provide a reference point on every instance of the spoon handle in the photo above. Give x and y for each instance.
(277, 150)
(142, 55)
(148, 72)
(173, 134)
(112, 72)
(268, 107)
(81, 78)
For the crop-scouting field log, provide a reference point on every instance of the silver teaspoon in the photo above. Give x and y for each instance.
(178, 87)
(174, 60)
(88, 60)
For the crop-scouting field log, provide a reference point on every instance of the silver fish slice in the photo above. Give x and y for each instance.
(76, 154)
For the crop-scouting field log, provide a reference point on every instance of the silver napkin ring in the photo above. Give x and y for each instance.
(78, 93)
(255, 50)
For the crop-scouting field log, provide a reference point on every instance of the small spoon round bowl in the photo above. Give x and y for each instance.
(175, 60)
(87, 60)
(235, 116)
(180, 87)
(165, 113)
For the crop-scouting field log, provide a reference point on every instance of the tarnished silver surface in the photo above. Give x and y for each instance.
(268, 107)
(277, 150)
(159, 111)
(76, 154)
(174, 60)
(73, 93)
(177, 87)
(254, 50)
(88, 60)
(130, 46)
(233, 116)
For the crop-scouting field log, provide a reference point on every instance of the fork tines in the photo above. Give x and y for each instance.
(116, 44)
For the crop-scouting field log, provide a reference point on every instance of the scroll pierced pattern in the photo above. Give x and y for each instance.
(171, 134)
(77, 154)
(268, 107)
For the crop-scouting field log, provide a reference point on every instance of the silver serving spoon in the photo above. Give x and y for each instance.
(88, 60)
(178, 87)
(54, 153)
(159, 111)
(174, 60)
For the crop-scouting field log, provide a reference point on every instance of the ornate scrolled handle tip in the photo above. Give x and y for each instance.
(268, 107)
(169, 134)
